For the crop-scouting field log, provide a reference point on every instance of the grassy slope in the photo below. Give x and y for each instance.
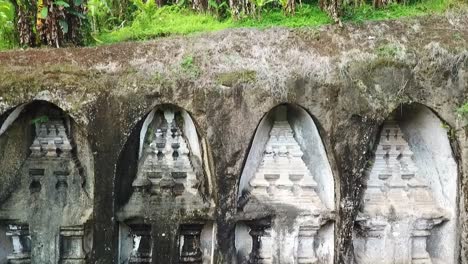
(170, 20)
(174, 20)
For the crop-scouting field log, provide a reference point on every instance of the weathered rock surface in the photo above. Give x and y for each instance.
(349, 79)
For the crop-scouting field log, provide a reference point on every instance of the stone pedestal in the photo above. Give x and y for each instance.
(21, 241)
(261, 244)
(373, 248)
(419, 254)
(71, 245)
(305, 245)
(421, 232)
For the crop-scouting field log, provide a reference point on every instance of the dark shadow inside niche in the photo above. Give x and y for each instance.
(5, 244)
(127, 166)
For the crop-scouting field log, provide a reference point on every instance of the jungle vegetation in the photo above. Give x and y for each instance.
(58, 23)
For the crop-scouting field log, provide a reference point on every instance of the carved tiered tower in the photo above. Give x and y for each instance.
(165, 171)
(282, 177)
(284, 185)
(49, 206)
(167, 182)
(399, 210)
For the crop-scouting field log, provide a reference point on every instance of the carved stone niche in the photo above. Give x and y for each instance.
(135, 243)
(15, 244)
(190, 244)
(71, 245)
(403, 215)
(142, 244)
(169, 167)
(53, 185)
(170, 183)
(287, 178)
(262, 243)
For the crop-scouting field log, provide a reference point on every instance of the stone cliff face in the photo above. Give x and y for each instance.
(348, 80)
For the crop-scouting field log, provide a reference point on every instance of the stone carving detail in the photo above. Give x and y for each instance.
(399, 210)
(284, 186)
(306, 237)
(282, 177)
(71, 245)
(21, 241)
(165, 171)
(261, 243)
(50, 195)
(168, 180)
(190, 244)
(51, 141)
(142, 243)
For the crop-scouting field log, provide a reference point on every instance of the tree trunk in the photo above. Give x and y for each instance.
(200, 5)
(25, 17)
(290, 7)
(241, 7)
(62, 24)
(77, 31)
(49, 28)
(333, 8)
(235, 8)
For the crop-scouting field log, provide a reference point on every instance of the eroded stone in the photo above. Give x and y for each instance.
(400, 208)
(46, 213)
(280, 204)
(168, 185)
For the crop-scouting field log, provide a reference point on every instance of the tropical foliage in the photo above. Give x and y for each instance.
(7, 38)
(59, 23)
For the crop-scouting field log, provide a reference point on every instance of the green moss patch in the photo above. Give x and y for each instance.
(231, 78)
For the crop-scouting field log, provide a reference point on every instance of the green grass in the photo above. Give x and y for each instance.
(394, 11)
(155, 22)
(306, 16)
(179, 21)
(165, 21)
(172, 20)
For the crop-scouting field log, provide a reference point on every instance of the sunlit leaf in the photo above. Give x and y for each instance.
(62, 3)
(64, 26)
(44, 12)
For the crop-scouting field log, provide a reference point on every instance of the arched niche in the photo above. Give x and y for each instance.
(286, 192)
(409, 211)
(47, 183)
(165, 208)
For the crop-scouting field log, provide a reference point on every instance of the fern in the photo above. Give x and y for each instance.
(462, 111)
(7, 39)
